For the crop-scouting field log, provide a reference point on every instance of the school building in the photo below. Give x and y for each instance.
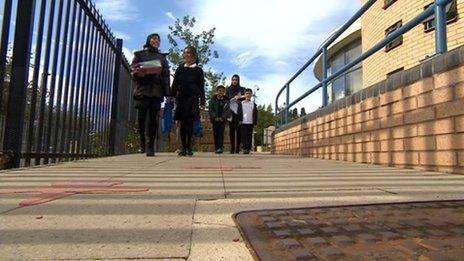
(402, 106)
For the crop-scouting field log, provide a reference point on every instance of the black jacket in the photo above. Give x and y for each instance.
(188, 87)
(255, 113)
(215, 104)
(234, 90)
(152, 85)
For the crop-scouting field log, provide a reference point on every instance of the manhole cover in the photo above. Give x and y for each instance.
(398, 231)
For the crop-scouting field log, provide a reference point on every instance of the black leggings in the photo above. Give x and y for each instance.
(152, 126)
(186, 131)
(234, 134)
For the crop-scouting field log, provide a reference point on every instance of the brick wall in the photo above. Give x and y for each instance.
(416, 43)
(414, 119)
(205, 143)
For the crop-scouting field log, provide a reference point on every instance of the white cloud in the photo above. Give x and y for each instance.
(119, 34)
(170, 15)
(117, 10)
(129, 54)
(268, 86)
(278, 35)
(244, 59)
(271, 27)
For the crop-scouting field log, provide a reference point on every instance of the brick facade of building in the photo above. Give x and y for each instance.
(416, 43)
(414, 119)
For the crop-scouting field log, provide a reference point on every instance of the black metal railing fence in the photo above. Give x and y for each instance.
(65, 86)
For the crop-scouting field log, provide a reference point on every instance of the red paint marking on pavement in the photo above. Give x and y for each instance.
(59, 190)
(71, 184)
(223, 168)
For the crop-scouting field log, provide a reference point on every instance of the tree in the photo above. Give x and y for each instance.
(302, 112)
(6, 80)
(214, 80)
(182, 31)
(294, 114)
(6, 83)
(265, 119)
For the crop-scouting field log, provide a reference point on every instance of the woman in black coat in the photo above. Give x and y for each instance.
(235, 94)
(189, 88)
(150, 69)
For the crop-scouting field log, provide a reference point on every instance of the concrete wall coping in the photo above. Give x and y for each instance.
(434, 65)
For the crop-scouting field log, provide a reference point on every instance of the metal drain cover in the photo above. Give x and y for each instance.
(394, 231)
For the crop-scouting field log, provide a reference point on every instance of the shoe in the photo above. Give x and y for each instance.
(189, 153)
(232, 152)
(141, 150)
(150, 152)
(182, 153)
(220, 151)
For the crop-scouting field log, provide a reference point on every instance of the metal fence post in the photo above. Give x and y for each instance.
(19, 81)
(440, 26)
(287, 102)
(4, 45)
(276, 119)
(324, 77)
(114, 101)
(281, 116)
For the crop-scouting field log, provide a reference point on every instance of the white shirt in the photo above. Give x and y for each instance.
(193, 65)
(247, 107)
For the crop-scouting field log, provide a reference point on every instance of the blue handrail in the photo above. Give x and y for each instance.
(438, 8)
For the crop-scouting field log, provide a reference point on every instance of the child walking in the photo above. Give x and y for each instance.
(189, 89)
(218, 113)
(248, 118)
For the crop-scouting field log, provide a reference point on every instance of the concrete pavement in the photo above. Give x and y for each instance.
(187, 212)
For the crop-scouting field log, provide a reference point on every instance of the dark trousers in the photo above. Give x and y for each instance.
(234, 134)
(186, 131)
(152, 114)
(218, 132)
(247, 136)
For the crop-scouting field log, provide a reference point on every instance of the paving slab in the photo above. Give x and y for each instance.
(98, 228)
(187, 211)
(217, 242)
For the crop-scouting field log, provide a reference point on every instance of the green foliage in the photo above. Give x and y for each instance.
(265, 119)
(294, 114)
(214, 80)
(182, 32)
(131, 143)
(29, 90)
(95, 144)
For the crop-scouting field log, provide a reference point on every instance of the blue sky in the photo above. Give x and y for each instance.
(264, 41)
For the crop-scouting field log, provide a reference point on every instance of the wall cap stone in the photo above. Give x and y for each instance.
(433, 65)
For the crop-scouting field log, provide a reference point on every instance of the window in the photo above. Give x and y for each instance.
(387, 3)
(396, 42)
(395, 71)
(351, 81)
(451, 16)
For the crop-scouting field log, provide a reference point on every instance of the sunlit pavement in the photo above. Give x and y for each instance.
(169, 207)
